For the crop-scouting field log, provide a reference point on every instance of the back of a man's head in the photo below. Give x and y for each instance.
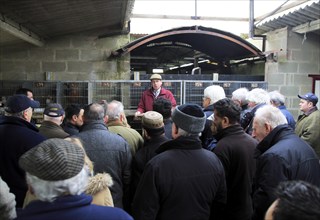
(163, 106)
(215, 93)
(297, 200)
(227, 108)
(114, 110)
(93, 112)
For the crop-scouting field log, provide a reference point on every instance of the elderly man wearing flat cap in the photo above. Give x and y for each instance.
(308, 124)
(156, 91)
(58, 176)
(17, 136)
(184, 181)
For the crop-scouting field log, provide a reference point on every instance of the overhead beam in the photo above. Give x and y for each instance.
(20, 32)
(307, 27)
(181, 17)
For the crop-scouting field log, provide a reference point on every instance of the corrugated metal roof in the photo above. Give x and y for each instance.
(293, 17)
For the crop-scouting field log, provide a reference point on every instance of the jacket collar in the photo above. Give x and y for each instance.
(311, 111)
(115, 123)
(231, 130)
(273, 137)
(182, 143)
(18, 122)
(99, 125)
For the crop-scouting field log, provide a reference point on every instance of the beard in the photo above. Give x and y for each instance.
(216, 128)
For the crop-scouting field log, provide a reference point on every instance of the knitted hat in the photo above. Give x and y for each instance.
(54, 110)
(18, 103)
(309, 97)
(189, 117)
(53, 159)
(155, 76)
(152, 120)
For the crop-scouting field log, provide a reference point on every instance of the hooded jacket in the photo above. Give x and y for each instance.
(281, 156)
(183, 182)
(17, 137)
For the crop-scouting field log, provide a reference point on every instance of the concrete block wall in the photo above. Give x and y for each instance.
(72, 58)
(295, 56)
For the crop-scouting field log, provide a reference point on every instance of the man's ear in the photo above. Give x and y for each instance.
(225, 122)
(106, 119)
(268, 127)
(74, 117)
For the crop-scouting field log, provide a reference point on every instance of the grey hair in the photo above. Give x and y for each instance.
(49, 190)
(184, 133)
(270, 115)
(277, 98)
(94, 112)
(215, 93)
(240, 94)
(258, 96)
(115, 108)
(17, 114)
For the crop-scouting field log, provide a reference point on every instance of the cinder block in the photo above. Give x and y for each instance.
(41, 54)
(74, 66)
(67, 54)
(92, 55)
(53, 66)
(288, 67)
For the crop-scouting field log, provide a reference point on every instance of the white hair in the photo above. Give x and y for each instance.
(277, 98)
(114, 110)
(56, 120)
(215, 93)
(46, 190)
(270, 115)
(258, 96)
(240, 94)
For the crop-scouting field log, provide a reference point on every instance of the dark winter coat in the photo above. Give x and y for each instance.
(183, 182)
(50, 129)
(17, 137)
(109, 153)
(235, 149)
(71, 207)
(71, 129)
(281, 156)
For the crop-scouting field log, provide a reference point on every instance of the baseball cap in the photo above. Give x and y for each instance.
(54, 110)
(18, 103)
(309, 97)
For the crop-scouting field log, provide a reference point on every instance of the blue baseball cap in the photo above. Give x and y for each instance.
(19, 103)
(309, 97)
(54, 110)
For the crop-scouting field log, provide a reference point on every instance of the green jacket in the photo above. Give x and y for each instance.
(133, 137)
(308, 128)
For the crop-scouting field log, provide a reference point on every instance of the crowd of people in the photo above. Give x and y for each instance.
(238, 158)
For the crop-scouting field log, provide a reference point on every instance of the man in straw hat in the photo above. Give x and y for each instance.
(57, 175)
(184, 181)
(156, 91)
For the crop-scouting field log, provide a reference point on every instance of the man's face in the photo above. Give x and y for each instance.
(30, 95)
(205, 102)
(216, 126)
(156, 84)
(305, 105)
(259, 132)
(79, 119)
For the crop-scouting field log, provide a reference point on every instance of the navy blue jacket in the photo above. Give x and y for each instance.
(281, 156)
(17, 136)
(71, 207)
